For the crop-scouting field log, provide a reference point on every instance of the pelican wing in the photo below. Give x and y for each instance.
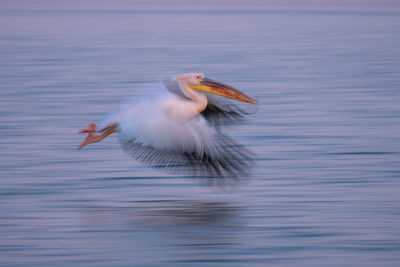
(221, 111)
(148, 135)
(230, 161)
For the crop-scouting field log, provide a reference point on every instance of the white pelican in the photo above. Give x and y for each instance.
(177, 130)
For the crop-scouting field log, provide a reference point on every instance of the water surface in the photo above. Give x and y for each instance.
(325, 186)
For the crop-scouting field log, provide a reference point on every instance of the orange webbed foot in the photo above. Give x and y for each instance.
(91, 137)
(91, 128)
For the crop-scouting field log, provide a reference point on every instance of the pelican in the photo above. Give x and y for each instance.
(181, 128)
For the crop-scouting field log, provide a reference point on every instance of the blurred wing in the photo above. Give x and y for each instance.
(230, 161)
(219, 110)
(151, 137)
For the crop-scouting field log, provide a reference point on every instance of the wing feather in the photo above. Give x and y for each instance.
(217, 115)
(228, 160)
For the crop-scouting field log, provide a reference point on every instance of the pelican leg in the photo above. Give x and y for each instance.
(92, 137)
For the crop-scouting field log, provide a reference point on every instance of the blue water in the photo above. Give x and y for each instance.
(325, 188)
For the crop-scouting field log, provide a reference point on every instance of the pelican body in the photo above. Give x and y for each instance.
(178, 130)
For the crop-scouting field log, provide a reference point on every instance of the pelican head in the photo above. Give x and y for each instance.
(199, 82)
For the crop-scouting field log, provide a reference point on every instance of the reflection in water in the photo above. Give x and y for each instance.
(166, 213)
(187, 231)
(191, 213)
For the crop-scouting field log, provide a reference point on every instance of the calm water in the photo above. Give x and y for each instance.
(326, 186)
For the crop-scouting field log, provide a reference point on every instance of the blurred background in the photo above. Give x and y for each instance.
(325, 187)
